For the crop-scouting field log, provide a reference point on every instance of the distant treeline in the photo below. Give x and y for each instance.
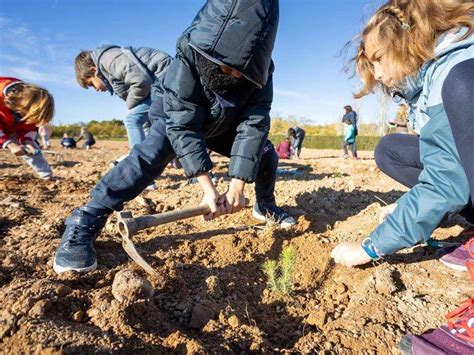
(331, 142)
(280, 127)
(112, 129)
(318, 137)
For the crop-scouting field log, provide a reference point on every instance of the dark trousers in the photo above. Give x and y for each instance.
(398, 156)
(148, 159)
(298, 144)
(89, 143)
(352, 146)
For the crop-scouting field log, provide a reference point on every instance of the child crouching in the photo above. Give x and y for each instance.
(22, 108)
(422, 51)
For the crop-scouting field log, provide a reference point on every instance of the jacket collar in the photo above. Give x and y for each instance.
(446, 44)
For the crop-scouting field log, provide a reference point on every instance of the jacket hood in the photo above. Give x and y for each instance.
(96, 54)
(239, 34)
(446, 44)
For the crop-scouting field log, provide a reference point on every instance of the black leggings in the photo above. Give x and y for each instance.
(398, 156)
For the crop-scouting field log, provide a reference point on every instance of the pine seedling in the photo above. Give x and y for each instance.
(280, 274)
(287, 266)
(270, 269)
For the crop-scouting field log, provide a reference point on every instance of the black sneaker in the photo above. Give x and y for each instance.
(274, 214)
(76, 250)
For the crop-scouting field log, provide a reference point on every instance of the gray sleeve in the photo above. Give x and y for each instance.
(131, 82)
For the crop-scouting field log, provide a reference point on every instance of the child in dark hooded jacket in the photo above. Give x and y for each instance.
(218, 95)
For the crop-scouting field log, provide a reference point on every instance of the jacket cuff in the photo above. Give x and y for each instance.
(381, 246)
(370, 248)
(196, 163)
(243, 169)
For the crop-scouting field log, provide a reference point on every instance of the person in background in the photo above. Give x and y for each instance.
(283, 149)
(349, 140)
(89, 140)
(133, 74)
(351, 115)
(67, 142)
(298, 135)
(401, 119)
(44, 131)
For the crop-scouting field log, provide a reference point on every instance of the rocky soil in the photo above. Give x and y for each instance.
(210, 294)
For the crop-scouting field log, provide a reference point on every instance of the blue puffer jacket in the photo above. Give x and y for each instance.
(239, 34)
(439, 100)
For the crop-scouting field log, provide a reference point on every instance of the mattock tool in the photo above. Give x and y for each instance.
(128, 226)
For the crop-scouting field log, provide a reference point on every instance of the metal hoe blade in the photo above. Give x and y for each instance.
(129, 247)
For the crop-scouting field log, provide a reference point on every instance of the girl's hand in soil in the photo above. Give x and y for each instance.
(234, 198)
(211, 197)
(16, 149)
(350, 254)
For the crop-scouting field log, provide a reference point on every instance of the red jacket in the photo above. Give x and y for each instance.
(283, 149)
(10, 124)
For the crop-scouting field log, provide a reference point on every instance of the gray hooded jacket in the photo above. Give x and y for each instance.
(129, 72)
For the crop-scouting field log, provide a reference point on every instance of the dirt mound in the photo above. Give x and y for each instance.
(209, 294)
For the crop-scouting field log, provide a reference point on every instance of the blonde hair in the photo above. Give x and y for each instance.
(33, 103)
(402, 112)
(408, 30)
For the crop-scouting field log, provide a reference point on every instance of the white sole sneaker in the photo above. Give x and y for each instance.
(454, 266)
(286, 223)
(59, 269)
(257, 215)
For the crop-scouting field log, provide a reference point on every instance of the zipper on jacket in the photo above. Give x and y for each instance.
(232, 7)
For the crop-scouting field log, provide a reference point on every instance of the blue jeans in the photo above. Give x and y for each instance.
(135, 120)
(148, 159)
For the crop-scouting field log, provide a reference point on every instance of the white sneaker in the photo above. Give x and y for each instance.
(273, 214)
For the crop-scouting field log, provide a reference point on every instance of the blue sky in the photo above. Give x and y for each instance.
(39, 40)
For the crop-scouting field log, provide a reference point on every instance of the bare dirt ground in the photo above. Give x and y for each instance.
(210, 293)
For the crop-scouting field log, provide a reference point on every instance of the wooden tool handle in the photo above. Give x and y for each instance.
(171, 216)
(128, 225)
